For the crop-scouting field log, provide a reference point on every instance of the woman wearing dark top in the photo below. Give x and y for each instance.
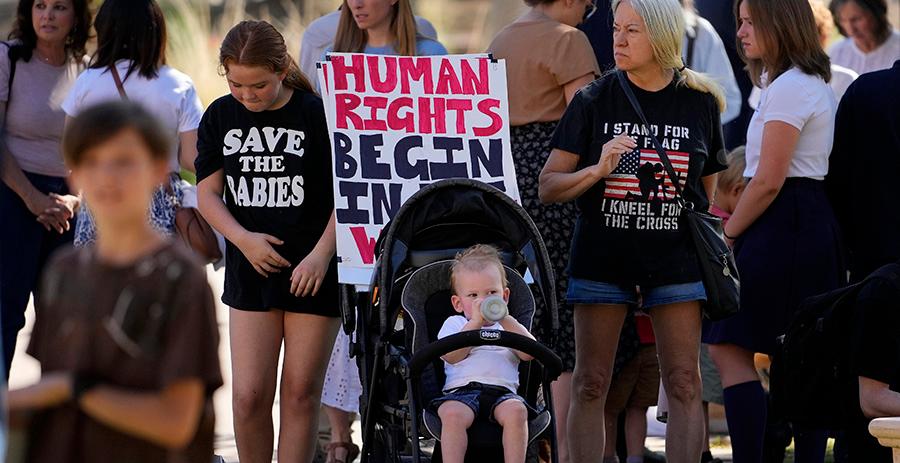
(264, 172)
(874, 391)
(629, 238)
(47, 51)
(126, 330)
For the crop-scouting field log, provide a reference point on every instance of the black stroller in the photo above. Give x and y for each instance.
(409, 299)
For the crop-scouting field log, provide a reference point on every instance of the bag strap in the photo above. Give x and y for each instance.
(670, 170)
(12, 52)
(119, 86)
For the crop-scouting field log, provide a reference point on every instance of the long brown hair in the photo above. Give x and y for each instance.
(258, 43)
(351, 39)
(787, 30)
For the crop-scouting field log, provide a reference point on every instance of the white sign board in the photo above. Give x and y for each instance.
(398, 123)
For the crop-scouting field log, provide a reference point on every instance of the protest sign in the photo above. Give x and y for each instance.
(398, 123)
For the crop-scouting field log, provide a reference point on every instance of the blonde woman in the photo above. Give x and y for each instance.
(629, 242)
(382, 27)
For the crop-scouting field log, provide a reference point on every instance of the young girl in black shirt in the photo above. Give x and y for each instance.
(264, 177)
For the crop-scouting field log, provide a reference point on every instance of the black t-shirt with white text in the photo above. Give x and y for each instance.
(629, 229)
(277, 168)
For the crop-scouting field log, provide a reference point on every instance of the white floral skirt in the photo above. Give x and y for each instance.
(342, 387)
(161, 213)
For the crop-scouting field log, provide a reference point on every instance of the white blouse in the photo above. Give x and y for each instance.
(846, 53)
(805, 102)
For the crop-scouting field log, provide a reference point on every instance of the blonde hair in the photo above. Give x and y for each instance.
(476, 259)
(665, 24)
(734, 174)
(351, 39)
(824, 20)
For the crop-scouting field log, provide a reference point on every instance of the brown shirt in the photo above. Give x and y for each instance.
(139, 327)
(542, 56)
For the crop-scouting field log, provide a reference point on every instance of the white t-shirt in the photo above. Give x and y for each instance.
(841, 78)
(171, 97)
(494, 365)
(805, 102)
(846, 53)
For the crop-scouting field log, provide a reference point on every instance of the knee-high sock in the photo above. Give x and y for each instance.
(745, 411)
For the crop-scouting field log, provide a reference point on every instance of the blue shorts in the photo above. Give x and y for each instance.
(481, 398)
(595, 292)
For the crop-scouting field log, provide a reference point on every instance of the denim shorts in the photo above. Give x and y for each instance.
(481, 398)
(595, 292)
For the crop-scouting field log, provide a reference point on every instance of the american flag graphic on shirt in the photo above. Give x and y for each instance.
(641, 175)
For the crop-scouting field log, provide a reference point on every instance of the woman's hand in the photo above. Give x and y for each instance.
(58, 215)
(611, 154)
(48, 212)
(257, 248)
(70, 203)
(310, 272)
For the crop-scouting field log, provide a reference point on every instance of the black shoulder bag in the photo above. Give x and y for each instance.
(717, 266)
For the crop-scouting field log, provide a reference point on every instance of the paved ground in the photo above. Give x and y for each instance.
(25, 370)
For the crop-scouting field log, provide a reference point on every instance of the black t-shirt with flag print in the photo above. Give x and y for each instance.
(629, 230)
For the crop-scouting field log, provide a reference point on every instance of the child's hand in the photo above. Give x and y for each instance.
(52, 390)
(308, 275)
(257, 248)
(476, 312)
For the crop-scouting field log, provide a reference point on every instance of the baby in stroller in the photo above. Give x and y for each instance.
(481, 381)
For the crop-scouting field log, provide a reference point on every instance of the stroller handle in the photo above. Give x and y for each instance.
(551, 362)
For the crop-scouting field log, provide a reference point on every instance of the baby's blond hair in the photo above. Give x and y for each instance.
(734, 174)
(476, 259)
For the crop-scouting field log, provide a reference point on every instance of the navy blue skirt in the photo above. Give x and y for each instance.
(792, 251)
